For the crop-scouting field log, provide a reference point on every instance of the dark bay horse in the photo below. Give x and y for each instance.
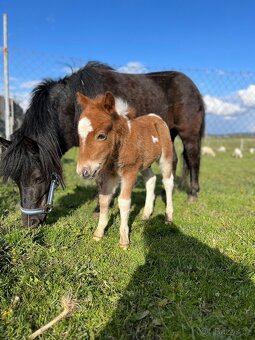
(49, 128)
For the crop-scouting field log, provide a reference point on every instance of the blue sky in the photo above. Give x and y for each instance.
(205, 39)
(209, 34)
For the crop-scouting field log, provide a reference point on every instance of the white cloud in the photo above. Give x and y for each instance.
(13, 79)
(248, 96)
(133, 67)
(220, 107)
(23, 99)
(29, 84)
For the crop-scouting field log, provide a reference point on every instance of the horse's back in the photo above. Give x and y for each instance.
(170, 94)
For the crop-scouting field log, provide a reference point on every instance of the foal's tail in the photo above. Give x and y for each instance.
(165, 139)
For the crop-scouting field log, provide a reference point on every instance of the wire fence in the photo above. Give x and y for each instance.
(229, 96)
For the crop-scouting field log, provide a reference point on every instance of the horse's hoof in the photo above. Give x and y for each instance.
(124, 246)
(168, 221)
(192, 198)
(97, 238)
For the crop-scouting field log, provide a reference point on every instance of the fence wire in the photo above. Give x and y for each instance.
(229, 96)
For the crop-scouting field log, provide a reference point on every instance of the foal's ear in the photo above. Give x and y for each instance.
(109, 101)
(5, 143)
(31, 145)
(81, 99)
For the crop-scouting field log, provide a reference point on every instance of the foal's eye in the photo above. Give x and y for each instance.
(101, 136)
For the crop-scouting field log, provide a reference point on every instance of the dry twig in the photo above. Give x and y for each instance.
(69, 304)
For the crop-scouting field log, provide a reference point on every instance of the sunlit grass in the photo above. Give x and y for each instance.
(194, 279)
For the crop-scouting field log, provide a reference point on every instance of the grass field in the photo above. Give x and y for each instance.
(192, 280)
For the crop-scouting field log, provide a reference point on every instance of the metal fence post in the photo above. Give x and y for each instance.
(6, 77)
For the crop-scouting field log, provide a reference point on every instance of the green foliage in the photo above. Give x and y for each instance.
(194, 279)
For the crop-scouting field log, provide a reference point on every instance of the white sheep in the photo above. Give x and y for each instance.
(207, 151)
(222, 149)
(237, 153)
(252, 150)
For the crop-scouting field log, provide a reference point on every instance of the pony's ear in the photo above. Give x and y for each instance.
(109, 101)
(5, 143)
(31, 145)
(81, 99)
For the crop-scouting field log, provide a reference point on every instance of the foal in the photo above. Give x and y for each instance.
(120, 146)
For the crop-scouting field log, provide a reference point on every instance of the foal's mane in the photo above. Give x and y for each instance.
(41, 122)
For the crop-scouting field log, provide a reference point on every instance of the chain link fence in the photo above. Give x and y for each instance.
(229, 96)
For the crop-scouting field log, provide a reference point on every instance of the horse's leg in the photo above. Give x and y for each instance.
(192, 155)
(185, 172)
(173, 134)
(124, 200)
(107, 189)
(168, 182)
(150, 182)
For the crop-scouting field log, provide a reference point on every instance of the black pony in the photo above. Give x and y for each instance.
(49, 128)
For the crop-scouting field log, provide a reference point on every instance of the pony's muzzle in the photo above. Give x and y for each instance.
(33, 221)
(89, 173)
(85, 173)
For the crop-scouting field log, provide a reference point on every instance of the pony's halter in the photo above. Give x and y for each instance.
(55, 181)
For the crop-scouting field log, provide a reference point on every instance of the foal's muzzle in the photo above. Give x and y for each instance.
(88, 173)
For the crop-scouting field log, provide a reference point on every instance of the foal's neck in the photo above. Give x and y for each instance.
(121, 132)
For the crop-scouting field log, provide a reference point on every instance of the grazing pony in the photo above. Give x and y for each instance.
(49, 128)
(118, 147)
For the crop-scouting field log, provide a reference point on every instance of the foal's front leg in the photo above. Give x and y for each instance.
(124, 200)
(105, 195)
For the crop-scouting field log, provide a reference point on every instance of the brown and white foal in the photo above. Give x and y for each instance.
(118, 146)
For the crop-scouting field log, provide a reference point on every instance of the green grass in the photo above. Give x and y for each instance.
(194, 279)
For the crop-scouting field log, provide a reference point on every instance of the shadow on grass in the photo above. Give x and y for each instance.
(68, 203)
(184, 290)
(138, 200)
(5, 257)
(7, 281)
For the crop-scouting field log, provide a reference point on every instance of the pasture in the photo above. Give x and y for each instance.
(194, 279)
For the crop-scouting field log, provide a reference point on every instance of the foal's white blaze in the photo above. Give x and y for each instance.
(84, 127)
(121, 106)
(154, 139)
(129, 125)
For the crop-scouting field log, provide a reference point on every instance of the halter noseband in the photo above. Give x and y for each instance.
(55, 181)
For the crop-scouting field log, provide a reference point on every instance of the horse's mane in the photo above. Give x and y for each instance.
(87, 80)
(40, 126)
(41, 122)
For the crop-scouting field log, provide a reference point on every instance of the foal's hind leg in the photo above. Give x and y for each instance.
(168, 182)
(150, 182)
(108, 186)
